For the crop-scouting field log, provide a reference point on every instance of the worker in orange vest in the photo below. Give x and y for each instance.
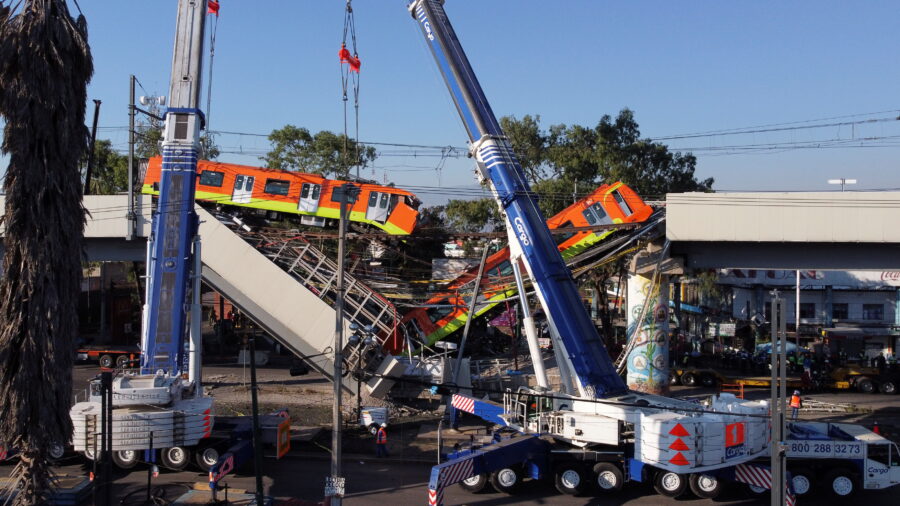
(381, 441)
(796, 404)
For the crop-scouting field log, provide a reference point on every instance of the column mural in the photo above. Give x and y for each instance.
(648, 361)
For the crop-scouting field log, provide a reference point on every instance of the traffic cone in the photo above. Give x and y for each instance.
(875, 428)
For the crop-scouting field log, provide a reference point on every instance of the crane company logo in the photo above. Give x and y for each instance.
(428, 32)
(890, 276)
(734, 440)
(520, 226)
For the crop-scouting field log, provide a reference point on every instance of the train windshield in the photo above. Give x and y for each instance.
(412, 202)
(622, 204)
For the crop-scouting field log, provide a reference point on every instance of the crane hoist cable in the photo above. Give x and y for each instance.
(350, 64)
(212, 8)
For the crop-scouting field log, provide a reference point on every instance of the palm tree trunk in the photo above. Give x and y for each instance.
(45, 64)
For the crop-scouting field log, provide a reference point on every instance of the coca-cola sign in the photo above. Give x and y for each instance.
(890, 276)
(811, 279)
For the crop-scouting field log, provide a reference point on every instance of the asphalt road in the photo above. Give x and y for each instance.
(372, 481)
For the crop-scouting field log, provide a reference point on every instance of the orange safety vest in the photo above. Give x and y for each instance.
(381, 437)
(795, 401)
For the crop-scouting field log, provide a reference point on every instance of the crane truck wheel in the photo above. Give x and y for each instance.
(56, 451)
(608, 477)
(507, 480)
(106, 361)
(206, 457)
(802, 481)
(888, 387)
(841, 483)
(570, 479)
(670, 484)
(865, 385)
(125, 459)
(705, 486)
(175, 458)
(475, 484)
(688, 379)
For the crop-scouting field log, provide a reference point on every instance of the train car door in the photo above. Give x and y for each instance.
(379, 204)
(243, 189)
(309, 197)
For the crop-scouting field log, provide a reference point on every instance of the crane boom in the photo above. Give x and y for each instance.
(526, 226)
(175, 222)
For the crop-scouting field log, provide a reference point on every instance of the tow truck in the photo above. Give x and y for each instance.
(595, 429)
(840, 458)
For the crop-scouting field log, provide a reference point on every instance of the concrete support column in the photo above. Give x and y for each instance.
(648, 324)
(829, 307)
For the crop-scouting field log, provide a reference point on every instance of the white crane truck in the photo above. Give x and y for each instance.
(622, 434)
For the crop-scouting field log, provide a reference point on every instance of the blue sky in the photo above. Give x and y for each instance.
(683, 67)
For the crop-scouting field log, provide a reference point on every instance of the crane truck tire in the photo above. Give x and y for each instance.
(670, 484)
(841, 483)
(88, 453)
(888, 387)
(865, 385)
(56, 451)
(107, 362)
(689, 379)
(507, 480)
(802, 480)
(570, 479)
(175, 458)
(475, 484)
(206, 457)
(125, 459)
(609, 477)
(705, 486)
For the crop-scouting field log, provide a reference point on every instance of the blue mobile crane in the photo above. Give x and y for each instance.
(605, 433)
(158, 408)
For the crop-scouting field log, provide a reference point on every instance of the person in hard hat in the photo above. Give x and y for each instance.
(796, 404)
(381, 441)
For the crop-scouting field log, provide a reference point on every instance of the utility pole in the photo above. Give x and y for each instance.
(129, 215)
(778, 395)
(797, 312)
(334, 485)
(90, 162)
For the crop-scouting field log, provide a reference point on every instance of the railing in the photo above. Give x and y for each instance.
(735, 388)
(318, 273)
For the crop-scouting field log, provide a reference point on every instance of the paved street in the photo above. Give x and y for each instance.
(403, 478)
(399, 483)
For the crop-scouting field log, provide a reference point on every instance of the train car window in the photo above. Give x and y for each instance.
(304, 191)
(437, 313)
(212, 178)
(249, 186)
(373, 199)
(565, 235)
(505, 268)
(316, 191)
(624, 205)
(384, 200)
(277, 187)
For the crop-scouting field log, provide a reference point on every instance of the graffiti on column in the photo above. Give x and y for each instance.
(648, 325)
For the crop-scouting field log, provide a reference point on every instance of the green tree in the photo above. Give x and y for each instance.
(45, 65)
(325, 153)
(110, 173)
(472, 215)
(613, 150)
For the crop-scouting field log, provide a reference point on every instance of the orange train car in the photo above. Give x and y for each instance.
(314, 198)
(447, 311)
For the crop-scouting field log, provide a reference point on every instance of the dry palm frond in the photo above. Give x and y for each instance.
(45, 65)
